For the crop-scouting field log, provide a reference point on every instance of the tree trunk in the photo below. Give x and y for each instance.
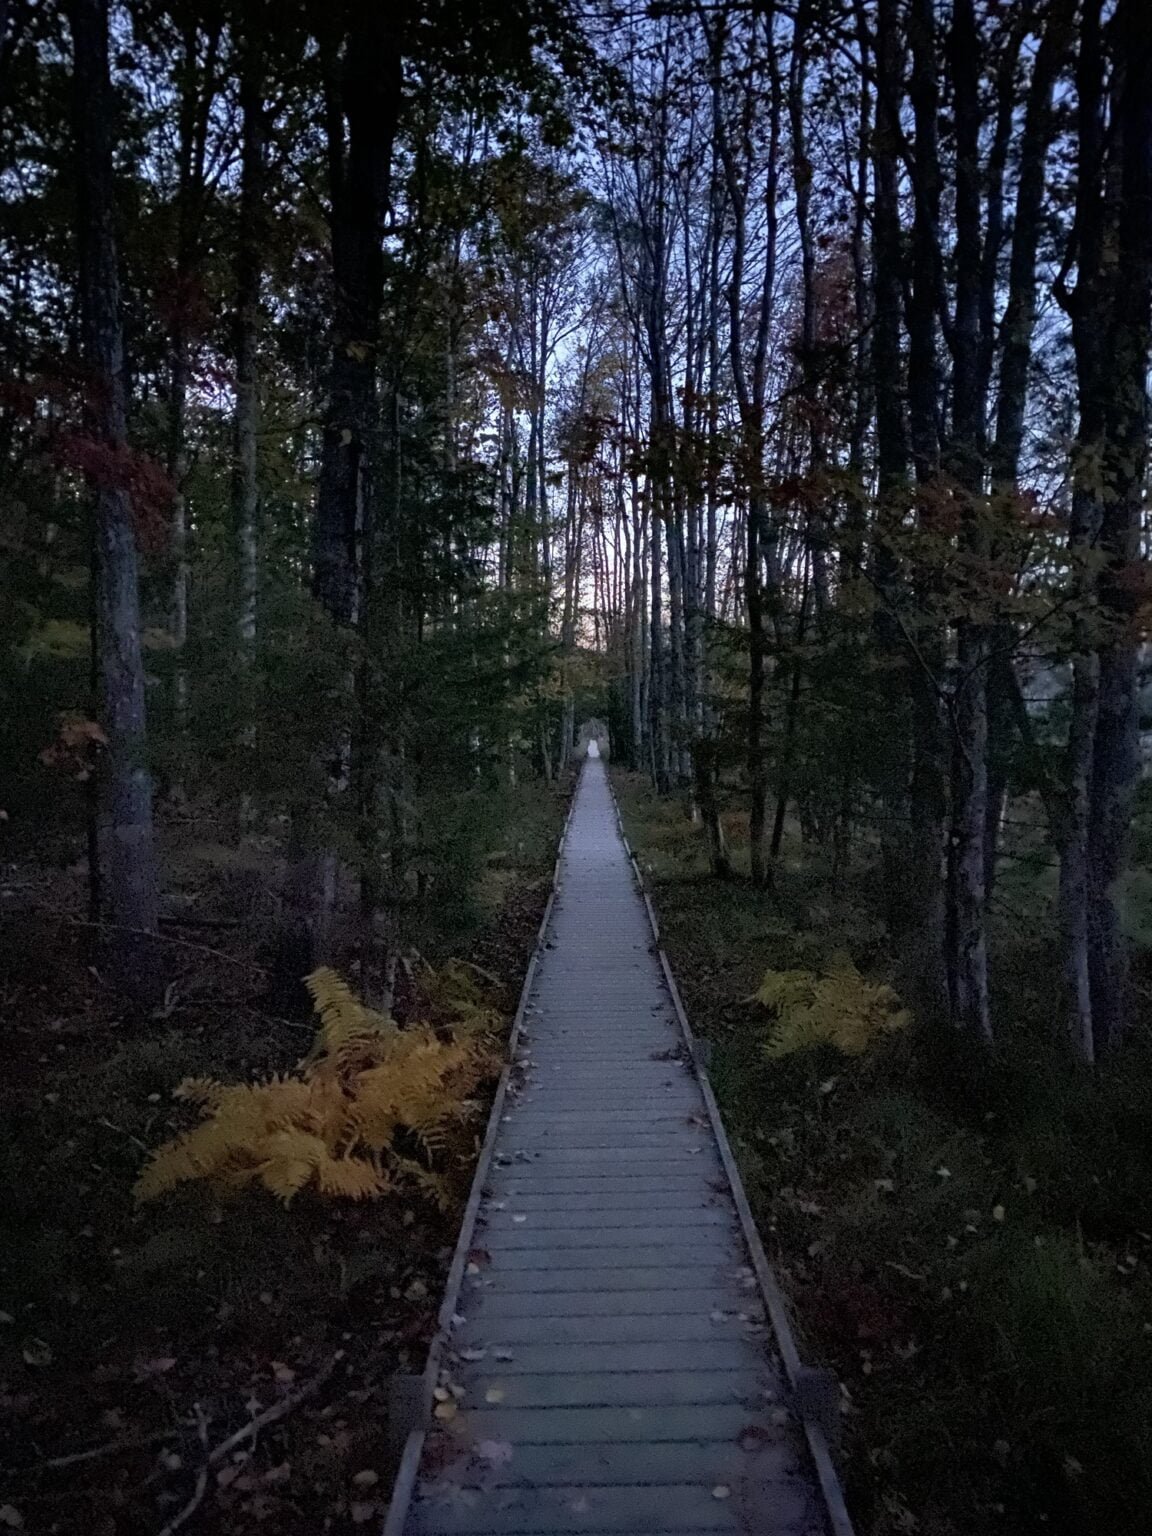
(929, 785)
(245, 481)
(1111, 310)
(757, 678)
(362, 87)
(968, 957)
(127, 873)
(889, 387)
(1116, 750)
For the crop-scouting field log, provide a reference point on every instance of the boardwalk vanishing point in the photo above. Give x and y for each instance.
(614, 1354)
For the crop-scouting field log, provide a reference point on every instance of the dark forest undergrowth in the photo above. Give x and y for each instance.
(967, 1244)
(146, 1336)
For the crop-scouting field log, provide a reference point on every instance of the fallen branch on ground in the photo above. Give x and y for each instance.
(201, 1488)
(272, 1415)
(167, 938)
(97, 1452)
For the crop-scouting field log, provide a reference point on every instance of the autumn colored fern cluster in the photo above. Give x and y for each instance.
(838, 1008)
(369, 1109)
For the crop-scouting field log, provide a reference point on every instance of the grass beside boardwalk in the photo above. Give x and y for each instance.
(967, 1246)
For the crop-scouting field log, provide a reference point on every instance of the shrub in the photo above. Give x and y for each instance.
(349, 1119)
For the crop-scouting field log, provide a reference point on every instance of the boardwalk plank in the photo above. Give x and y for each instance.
(789, 1506)
(637, 1462)
(611, 1332)
(635, 1328)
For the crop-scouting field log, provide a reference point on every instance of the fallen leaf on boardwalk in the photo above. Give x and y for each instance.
(721, 1491)
(579, 1506)
(519, 1218)
(502, 1354)
(753, 1436)
(445, 1411)
(497, 1453)
(494, 1395)
(441, 1394)
(473, 1354)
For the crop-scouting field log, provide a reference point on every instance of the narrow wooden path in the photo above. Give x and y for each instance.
(610, 1362)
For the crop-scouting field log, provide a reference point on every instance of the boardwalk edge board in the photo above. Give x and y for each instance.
(418, 1412)
(816, 1405)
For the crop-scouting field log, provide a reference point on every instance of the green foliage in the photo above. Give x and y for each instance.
(838, 1008)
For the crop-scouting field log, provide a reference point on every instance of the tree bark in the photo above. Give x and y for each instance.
(1111, 311)
(246, 478)
(128, 873)
(968, 957)
(929, 783)
(363, 79)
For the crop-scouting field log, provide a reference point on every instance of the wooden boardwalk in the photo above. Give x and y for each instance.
(612, 1357)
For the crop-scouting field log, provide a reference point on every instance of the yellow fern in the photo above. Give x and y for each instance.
(838, 1008)
(338, 1123)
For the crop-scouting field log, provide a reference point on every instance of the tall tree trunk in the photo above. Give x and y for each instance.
(197, 92)
(1016, 333)
(1111, 311)
(1116, 752)
(758, 553)
(246, 481)
(929, 786)
(968, 958)
(127, 873)
(657, 668)
(362, 88)
(892, 449)
(757, 680)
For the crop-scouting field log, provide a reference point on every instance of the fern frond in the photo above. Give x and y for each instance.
(353, 1178)
(200, 1090)
(839, 1008)
(343, 1018)
(333, 1123)
(431, 1184)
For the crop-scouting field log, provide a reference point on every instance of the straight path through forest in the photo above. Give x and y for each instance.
(612, 1363)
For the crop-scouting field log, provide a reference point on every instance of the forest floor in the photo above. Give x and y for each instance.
(967, 1244)
(134, 1342)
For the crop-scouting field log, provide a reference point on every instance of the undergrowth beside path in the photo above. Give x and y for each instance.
(135, 1342)
(967, 1245)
